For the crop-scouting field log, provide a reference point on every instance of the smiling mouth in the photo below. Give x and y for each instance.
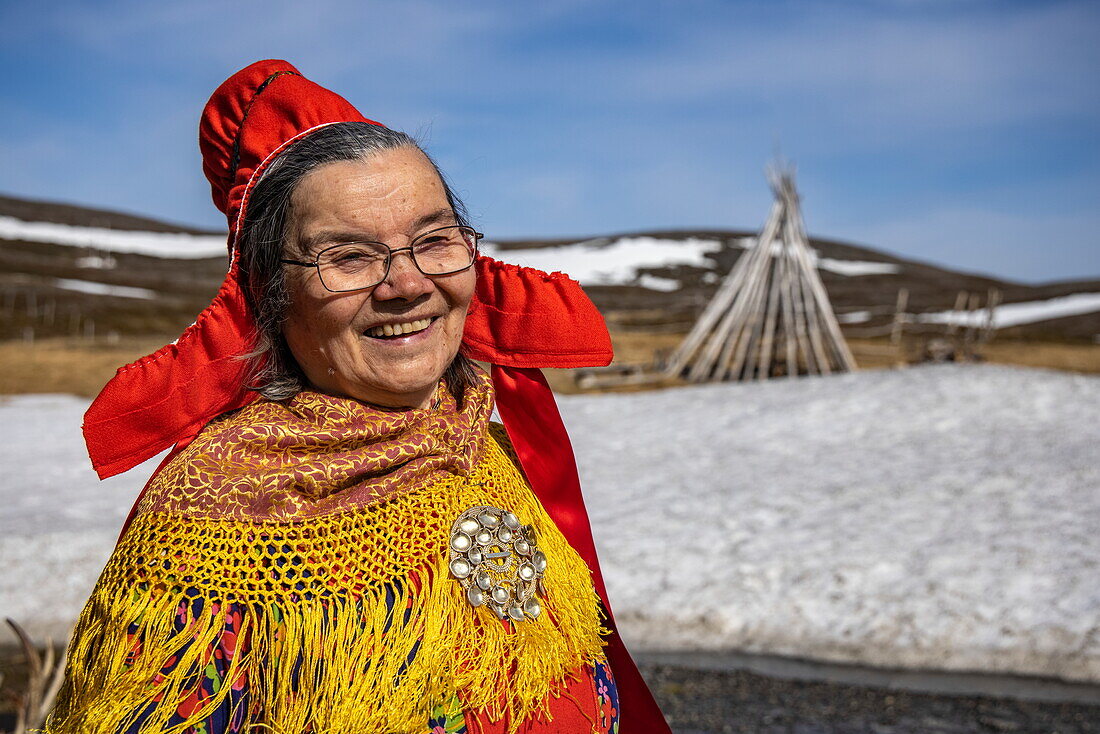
(389, 331)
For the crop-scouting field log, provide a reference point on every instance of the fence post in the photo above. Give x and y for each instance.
(899, 316)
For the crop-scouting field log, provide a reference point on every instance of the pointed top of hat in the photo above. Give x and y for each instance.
(253, 115)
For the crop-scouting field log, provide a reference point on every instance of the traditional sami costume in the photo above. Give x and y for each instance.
(322, 565)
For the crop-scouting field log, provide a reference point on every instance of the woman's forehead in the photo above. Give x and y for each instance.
(396, 192)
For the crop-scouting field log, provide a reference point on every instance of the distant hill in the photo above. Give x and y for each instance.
(30, 210)
(67, 269)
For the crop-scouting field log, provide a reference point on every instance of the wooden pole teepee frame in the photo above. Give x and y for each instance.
(771, 314)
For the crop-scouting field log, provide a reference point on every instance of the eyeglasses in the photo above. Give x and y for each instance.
(353, 266)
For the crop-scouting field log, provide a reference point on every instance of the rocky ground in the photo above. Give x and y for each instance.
(712, 702)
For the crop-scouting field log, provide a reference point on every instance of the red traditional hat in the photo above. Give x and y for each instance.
(523, 319)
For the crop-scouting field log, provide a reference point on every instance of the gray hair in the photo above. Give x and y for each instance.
(275, 373)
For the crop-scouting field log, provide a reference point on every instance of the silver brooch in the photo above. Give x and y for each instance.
(496, 560)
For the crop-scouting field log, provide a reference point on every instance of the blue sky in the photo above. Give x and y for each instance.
(961, 132)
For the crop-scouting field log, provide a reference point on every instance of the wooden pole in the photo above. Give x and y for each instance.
(992, 302)
(798, 296)
(786, 300)
(748, 305)
(824, 308)
(971, 325)
(744, 354)
(717, 307)
(960, 303)
(767, 346)
(899, 316)
(806, 271)
(705, 361)
(773, 286)
(730, 329)
(754, 318)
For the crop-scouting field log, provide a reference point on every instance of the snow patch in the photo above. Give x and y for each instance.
(617, 262)
(833, 265)
(1013, 314)
(97, 262)
(856, 267)
(155, 244)
(854, 317)
(103, 289)
(655, 283)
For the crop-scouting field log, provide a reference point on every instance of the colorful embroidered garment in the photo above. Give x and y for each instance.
(290, 567)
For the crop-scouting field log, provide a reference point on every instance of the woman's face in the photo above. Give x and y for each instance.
(391, 197)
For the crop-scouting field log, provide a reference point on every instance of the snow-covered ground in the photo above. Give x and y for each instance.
(58, 522)
(938, 517)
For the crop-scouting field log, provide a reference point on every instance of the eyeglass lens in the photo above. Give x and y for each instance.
(356, 265)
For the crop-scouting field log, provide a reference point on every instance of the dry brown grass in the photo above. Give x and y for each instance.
(81, 367)
(72, 366)
(640, 348)
(1070, 357)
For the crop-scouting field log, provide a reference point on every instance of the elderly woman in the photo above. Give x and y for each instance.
(340, 540)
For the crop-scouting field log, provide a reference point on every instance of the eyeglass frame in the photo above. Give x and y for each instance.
(389, 257)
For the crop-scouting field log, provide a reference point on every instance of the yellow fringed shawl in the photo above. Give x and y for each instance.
(320, 647)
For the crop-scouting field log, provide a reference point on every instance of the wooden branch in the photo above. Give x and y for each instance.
(775, 286)
(960, 302)
(786, 299)
(747, 307)
(714, 311)
(767, 346)
(806, 272)
(706, 361)
(824, 308)
(44, 679)
(992, 302)
(899, 316)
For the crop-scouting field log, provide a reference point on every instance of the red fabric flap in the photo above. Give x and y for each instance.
(156, 401)
(522, 317)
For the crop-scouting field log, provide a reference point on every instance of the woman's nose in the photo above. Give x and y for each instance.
(404, 279)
